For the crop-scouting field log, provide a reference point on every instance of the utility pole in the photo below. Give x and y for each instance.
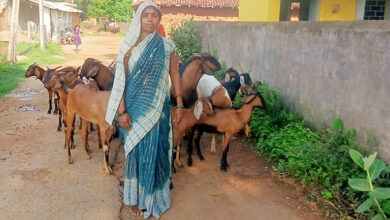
(14, 31)
(42, 26)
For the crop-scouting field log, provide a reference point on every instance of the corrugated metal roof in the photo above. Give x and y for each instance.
(194, 3)
(61, 6)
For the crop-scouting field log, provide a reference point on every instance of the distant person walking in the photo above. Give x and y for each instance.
(77, 39)
(61, 30)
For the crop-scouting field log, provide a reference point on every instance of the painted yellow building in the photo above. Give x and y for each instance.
(337, 10)
(259, 10)
(313, 10)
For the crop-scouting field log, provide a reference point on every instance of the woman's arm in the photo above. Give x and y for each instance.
(124, 120)
(176, 85)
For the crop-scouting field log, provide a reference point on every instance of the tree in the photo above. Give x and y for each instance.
(14, 31)
(118, 10)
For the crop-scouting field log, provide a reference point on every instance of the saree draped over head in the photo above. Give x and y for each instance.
(148, 143)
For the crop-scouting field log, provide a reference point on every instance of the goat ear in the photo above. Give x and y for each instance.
(227, 78)
(198, 110)
(210, 105)
(77, 69)
(242, 80)
(37, 73)
(92, 71)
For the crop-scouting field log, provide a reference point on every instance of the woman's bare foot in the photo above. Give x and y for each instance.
(136, 211)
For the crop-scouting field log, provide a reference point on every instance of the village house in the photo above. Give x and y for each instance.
(29, 11)
(176, 11)
(313, 10)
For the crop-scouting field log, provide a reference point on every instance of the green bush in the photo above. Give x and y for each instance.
(319, 159)
(186, 39)
(378, 197)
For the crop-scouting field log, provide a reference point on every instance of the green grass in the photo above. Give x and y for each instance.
(12, 73)
(122, 34)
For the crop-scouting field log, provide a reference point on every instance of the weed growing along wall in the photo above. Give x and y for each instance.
(323, 69)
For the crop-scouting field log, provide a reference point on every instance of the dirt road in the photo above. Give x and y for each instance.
(37, 183)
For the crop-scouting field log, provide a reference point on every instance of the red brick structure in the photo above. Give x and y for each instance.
(176, 11)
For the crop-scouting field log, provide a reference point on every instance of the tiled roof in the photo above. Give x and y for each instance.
(194, 3)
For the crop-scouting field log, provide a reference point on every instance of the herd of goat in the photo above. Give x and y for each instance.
(85, 91)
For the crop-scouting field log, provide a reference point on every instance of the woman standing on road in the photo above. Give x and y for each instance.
(140, 98)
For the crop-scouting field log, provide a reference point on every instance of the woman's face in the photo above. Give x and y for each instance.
(150, 19)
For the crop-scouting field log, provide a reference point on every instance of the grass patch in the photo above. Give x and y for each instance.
(122, 34)
(12, 73)
(319, 159)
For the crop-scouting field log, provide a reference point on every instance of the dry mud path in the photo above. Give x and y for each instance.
(37, 182)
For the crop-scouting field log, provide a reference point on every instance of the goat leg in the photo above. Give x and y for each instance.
(189, 147)
(225, 147)
(99, 137)
(91, 127)
(224, 164)
(213, 148)
(84, 135)
(197, 140)
(69, 129)
(55, 104)
(59, 128)
(72, 145)
(50, 104)
(106, 149)
(177, 156)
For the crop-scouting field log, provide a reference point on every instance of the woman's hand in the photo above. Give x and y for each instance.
(124, 121)
(178, 115)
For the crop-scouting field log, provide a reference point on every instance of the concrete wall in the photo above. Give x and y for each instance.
(323, 69)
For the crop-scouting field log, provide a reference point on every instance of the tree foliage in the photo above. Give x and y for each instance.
(118, 10)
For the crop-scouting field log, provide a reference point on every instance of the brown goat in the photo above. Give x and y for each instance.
(52, 78)
(228, 122)
(39, 73)
(91, 106)
(200, 109)
(191, 72)
(93, 68)
(63, 100)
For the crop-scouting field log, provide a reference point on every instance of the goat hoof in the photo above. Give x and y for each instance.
(178, 163)
(224, 167)
(201, 158)
(70, 161)
(49, 112)
(108, 170)
(59, 129)
(189, 162)
(55, 113)
(212, 151)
